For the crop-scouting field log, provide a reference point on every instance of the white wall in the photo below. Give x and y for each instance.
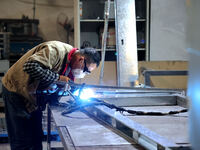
(47, 12)
(168, 30)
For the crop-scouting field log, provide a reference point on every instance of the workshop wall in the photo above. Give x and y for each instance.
(168, 30)
(172, 82)
(49, 12)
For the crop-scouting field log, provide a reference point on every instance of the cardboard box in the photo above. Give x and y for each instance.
(111, 41)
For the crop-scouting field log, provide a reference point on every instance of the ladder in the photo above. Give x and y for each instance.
(104, 41)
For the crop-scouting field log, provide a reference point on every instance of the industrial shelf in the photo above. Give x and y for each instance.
(89, 21)
(94, 20)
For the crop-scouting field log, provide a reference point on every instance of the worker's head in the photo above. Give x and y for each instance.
(84, 61)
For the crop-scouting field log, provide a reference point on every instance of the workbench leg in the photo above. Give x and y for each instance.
(48, 128)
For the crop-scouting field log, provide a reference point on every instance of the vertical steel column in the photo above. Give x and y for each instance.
(126, 42)
(147, 58)
(48, 128)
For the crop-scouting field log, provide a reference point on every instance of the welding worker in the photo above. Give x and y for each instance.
(36, 70)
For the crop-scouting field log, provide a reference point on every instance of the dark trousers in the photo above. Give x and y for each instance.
(24, 129)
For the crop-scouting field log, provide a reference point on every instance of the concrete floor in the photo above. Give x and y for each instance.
(54, 145)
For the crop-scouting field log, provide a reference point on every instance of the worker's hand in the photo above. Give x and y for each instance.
(63, 87)
(64, 78)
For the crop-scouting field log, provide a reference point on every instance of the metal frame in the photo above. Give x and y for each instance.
(131, 129)
(125, 126)
(149, 73)
(135, 131)
(118, 89)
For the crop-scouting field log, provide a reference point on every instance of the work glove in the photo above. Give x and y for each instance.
(64, 78)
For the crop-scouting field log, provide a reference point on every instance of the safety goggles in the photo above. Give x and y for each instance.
(85, 69)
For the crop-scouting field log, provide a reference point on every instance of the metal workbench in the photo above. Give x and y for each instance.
(99, 127)
(80, 132)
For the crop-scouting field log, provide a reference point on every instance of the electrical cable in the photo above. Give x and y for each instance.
(79, 106)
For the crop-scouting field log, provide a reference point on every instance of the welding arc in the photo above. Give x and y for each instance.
(81, 89)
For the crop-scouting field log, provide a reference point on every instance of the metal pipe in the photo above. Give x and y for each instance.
(147, 58)
(104, 42)
(34, 2)
(148, 73)
(48, 128)
(123, 89)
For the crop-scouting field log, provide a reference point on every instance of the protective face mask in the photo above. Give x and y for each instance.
(78, 73)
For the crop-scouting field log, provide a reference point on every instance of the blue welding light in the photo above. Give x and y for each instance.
(62, 93)
(194, 94)
(86, 94)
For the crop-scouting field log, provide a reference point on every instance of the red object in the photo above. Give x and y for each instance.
(69, 57)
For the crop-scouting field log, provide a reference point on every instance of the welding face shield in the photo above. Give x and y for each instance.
(78, 73)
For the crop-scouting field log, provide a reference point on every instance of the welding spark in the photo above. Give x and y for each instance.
(86, 94)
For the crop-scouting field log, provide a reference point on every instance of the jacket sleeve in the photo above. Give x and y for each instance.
(41, 64)
(40, 73)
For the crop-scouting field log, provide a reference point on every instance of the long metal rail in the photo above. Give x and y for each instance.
(124, 89)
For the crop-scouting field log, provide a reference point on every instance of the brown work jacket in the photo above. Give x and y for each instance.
(51, 54)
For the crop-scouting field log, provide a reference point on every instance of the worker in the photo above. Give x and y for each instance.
(38, 69)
